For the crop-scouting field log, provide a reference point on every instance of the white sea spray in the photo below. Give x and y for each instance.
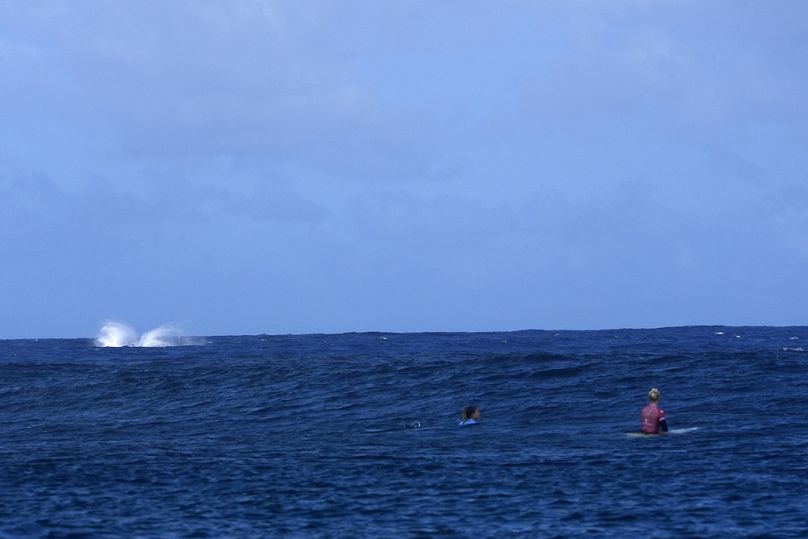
(115, 334)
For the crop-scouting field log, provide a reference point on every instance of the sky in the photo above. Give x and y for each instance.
(262, 166)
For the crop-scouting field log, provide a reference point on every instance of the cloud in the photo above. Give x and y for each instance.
(272, 151)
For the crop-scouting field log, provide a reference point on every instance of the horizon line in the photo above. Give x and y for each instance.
(436, 332)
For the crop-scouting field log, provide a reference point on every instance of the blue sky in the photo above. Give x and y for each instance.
(294, 167)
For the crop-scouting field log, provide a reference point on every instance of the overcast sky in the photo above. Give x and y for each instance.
(324, 166)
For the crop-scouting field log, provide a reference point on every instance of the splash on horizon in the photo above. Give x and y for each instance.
(117, 334)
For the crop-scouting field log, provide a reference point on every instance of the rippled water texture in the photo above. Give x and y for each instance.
(319, 435)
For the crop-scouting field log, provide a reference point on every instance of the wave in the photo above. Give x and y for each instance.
(118, 334)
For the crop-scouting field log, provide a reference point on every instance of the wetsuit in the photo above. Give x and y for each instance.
(466, 422)
(652, 420)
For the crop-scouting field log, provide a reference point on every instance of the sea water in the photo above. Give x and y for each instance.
(356, 435)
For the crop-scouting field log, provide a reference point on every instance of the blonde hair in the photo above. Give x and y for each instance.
(654, 395)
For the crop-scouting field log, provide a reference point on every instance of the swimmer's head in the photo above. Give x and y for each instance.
(654, 395)
(471, 412)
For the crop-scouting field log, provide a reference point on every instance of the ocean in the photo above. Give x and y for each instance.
(355, 435)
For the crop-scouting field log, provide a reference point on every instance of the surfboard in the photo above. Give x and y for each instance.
(672, 431)
(683, 431)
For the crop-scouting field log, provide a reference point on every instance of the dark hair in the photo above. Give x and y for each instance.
(469, 411)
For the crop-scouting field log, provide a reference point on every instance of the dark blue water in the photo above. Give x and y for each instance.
(313, 436)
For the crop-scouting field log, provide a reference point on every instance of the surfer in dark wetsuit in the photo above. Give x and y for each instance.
(652, 417)
(470, 415)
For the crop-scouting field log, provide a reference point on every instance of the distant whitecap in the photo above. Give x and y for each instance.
(158, 337)
(115, 335)
(118, 334)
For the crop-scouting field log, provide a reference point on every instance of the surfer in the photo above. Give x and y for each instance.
(652, 417)
(470, 415)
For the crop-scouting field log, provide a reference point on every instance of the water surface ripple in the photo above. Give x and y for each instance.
(355, 435)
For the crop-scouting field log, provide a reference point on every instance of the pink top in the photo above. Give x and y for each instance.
(650, 417)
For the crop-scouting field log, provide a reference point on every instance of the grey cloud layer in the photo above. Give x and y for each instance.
(330, 146)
